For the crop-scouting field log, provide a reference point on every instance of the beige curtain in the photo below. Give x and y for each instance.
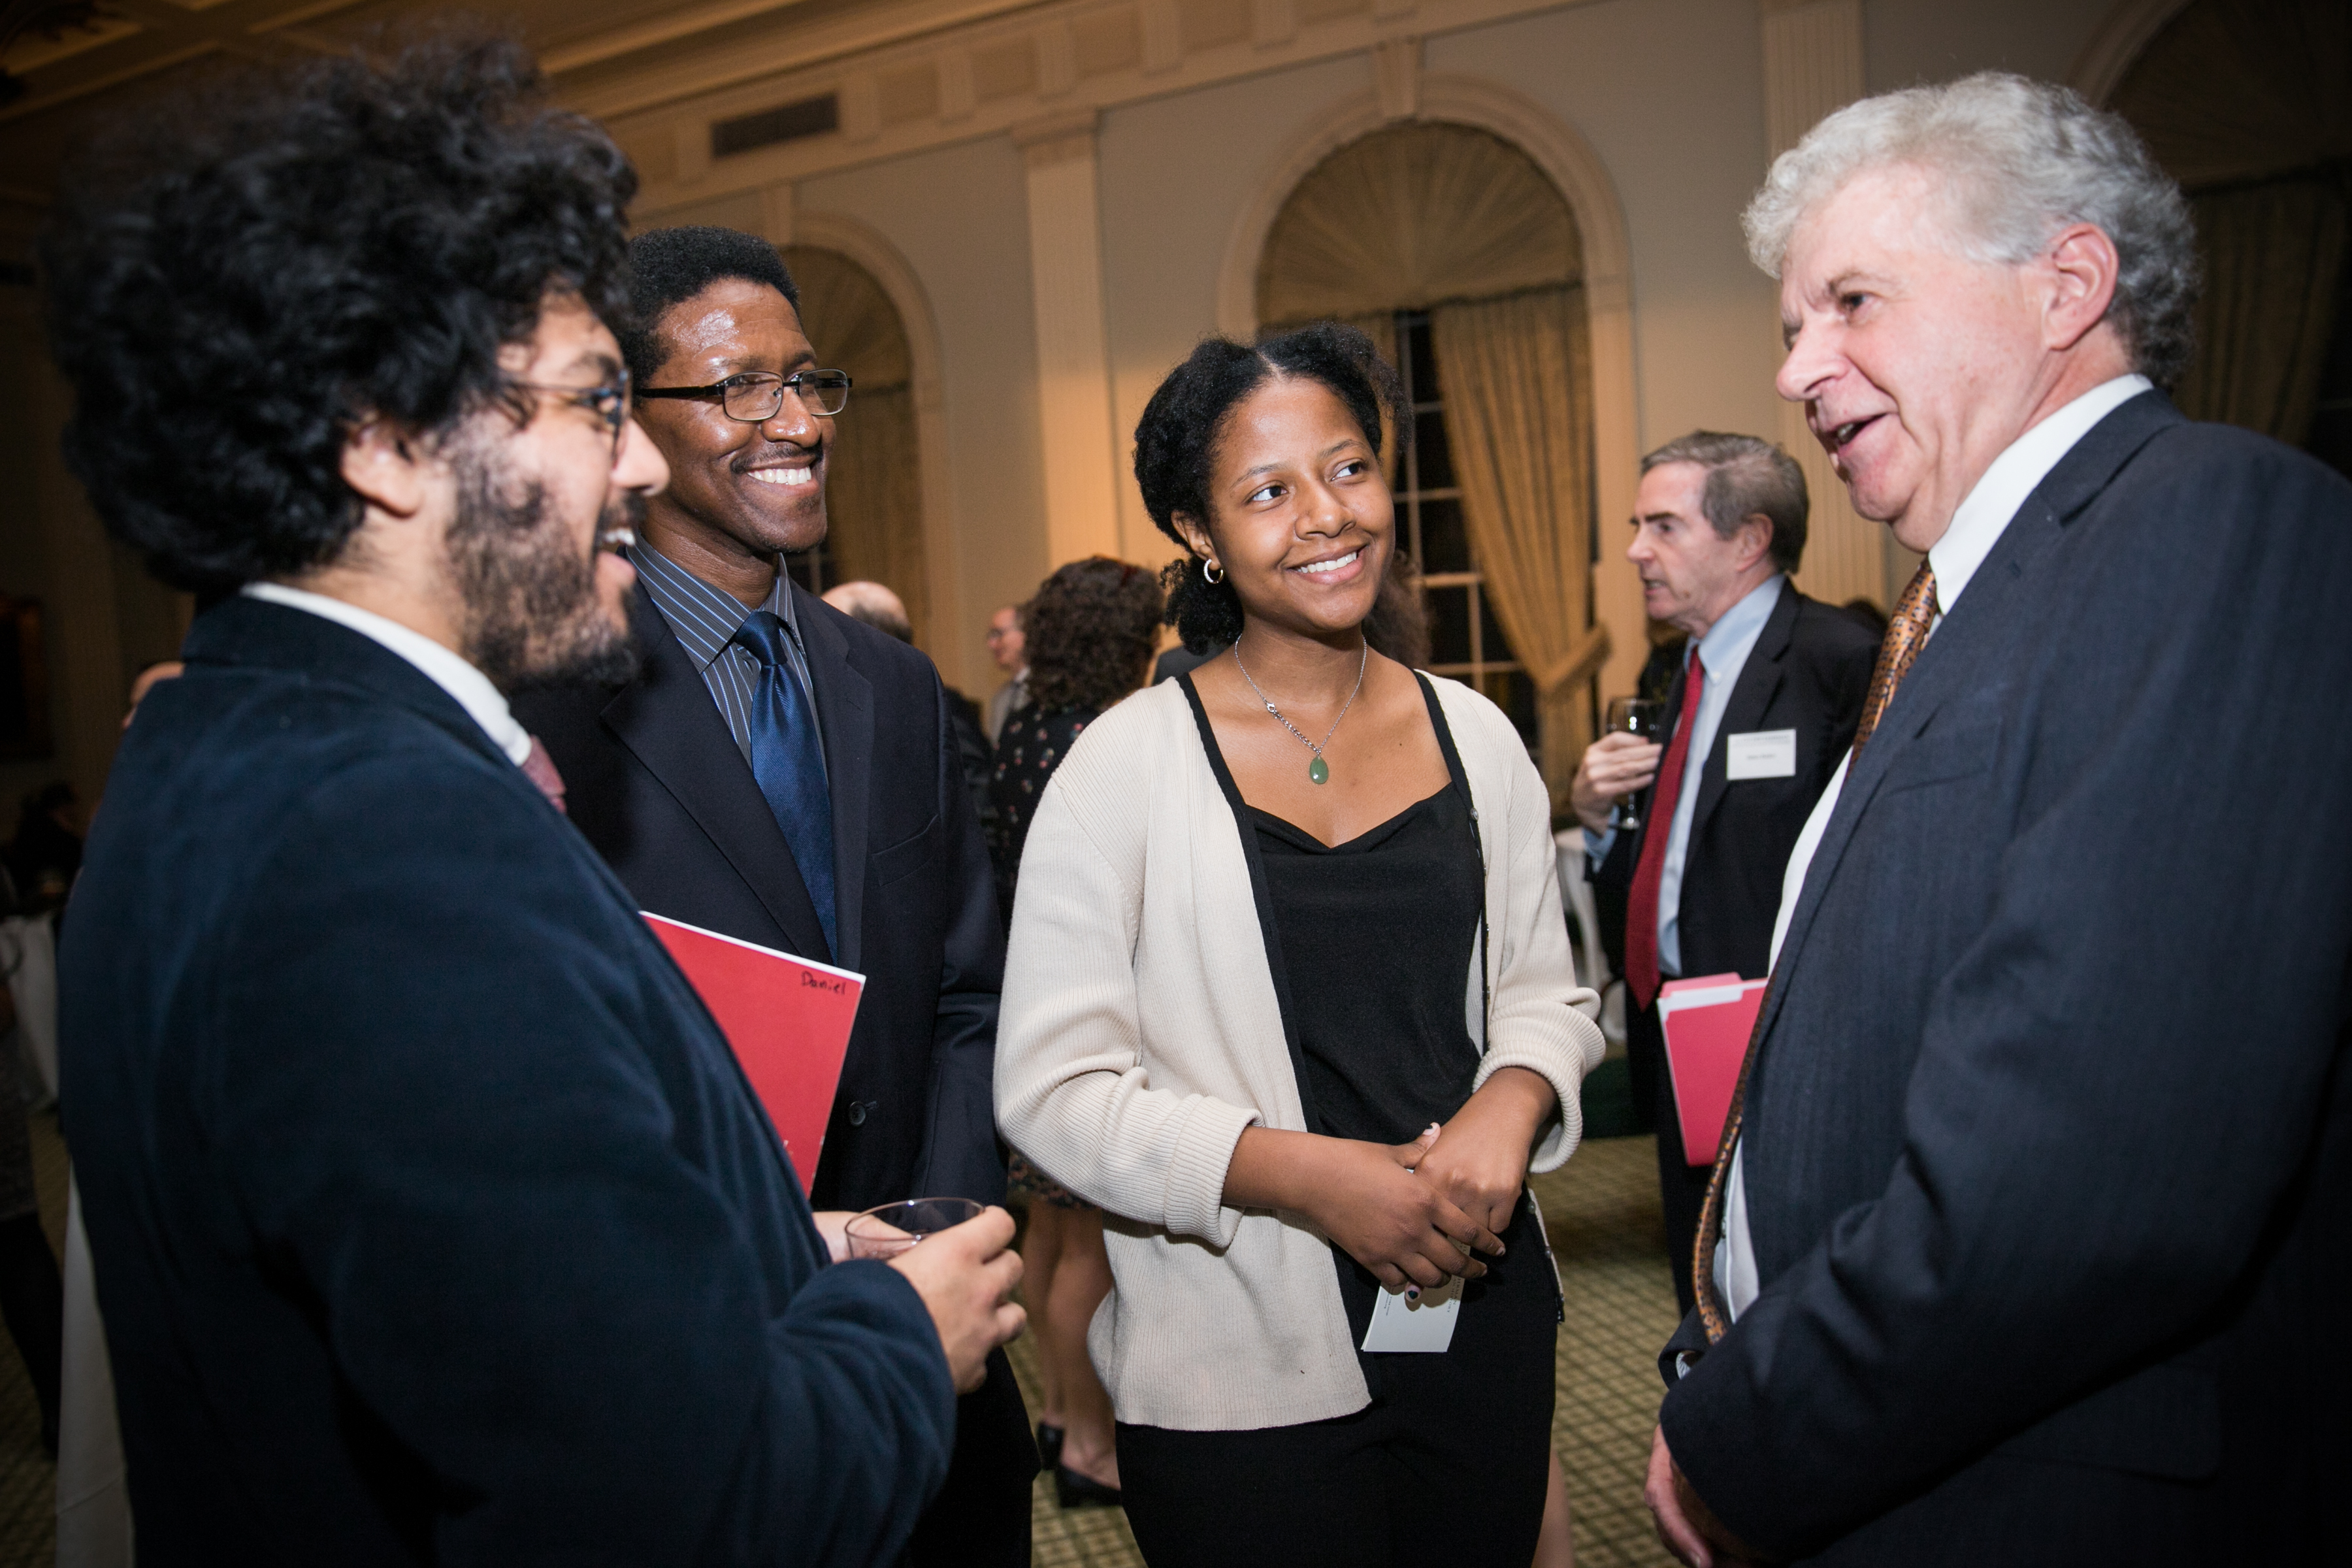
(874, 494)
(1517, 378)
(2273, 258)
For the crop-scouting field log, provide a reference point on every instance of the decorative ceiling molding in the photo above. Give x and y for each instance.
(165, 35)
(1064, 77)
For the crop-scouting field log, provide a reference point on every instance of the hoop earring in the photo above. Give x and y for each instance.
(1209, 573)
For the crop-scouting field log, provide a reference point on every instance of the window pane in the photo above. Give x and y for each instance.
(1444, 543)
(1423, 386)
(1449, 625)
(1514, 692)
(1436, 458)
(1495, 649)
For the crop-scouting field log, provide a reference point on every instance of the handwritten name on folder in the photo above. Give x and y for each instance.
(787, 1020)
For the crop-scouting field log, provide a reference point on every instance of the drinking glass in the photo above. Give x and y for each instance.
(891, 1229)
(1641, 717)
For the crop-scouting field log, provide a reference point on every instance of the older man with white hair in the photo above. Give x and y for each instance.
(2032, 1232)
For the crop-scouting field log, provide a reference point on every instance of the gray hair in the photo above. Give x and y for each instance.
(1745, 475)
(2021, 159)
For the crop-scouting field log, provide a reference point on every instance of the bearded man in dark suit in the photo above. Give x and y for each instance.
(2027, 1241)
(784, 774)
(433, 1220)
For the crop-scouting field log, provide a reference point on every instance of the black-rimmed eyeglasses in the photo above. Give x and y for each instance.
(757, 394)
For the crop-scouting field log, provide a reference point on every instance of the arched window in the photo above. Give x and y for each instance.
(874, 497)
(1463, 261)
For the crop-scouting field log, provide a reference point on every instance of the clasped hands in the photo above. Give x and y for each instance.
(1416, 1214)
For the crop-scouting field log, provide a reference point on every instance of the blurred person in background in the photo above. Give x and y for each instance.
(1761, 707)
(147, 679)
(46, 852)
(1007, 646)
(1089, 634)
(879, 607)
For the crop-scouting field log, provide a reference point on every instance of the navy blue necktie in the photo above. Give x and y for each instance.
(788, 761)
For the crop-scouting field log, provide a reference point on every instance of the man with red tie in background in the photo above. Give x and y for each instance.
(1766, 703)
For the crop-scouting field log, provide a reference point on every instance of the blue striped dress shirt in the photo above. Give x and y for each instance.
(706, 620)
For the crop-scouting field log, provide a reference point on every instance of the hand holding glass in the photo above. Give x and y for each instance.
(891, 1229)
(1640, 717)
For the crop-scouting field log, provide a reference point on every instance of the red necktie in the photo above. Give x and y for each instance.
(1642, 906)
(539, 769)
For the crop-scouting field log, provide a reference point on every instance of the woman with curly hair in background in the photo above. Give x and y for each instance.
(1091, 630)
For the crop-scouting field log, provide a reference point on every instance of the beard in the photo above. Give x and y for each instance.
(532, 615)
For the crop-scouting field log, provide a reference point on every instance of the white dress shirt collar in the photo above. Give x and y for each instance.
(468, 686)
(1985, 515)
(1725, 648)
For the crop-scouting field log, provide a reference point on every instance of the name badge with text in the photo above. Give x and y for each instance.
(1761, 754)
(1403, 1323)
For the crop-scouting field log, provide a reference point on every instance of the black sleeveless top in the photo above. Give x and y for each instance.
(1370, 944)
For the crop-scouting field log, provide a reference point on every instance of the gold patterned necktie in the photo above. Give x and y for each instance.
(1898, 650)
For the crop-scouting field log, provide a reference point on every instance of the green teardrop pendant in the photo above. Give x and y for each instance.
(1319, 771)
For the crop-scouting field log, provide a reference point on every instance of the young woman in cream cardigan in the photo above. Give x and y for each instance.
(1290, 995)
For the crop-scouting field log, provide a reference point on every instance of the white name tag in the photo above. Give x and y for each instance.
(1761, 754)
(1401, 1324)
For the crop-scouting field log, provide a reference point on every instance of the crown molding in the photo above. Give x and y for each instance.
(1056, 86)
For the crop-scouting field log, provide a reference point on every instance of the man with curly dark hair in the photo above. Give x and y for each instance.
(433, 1220)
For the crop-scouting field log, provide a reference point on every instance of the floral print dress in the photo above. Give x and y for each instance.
(1028, 749)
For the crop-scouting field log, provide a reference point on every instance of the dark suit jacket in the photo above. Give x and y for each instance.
(1807, 672)
(2048, 1146)
(432, 1218)
(656, 784)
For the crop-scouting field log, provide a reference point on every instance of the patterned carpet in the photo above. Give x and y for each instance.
(1602, 1211)
(28, 1482)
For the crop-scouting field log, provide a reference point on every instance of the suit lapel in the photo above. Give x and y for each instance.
(844, 713)
(666, 720)
(1751, 694)
(1972, 636)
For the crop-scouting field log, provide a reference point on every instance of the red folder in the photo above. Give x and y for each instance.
(1707, 1021)
(788, 1020)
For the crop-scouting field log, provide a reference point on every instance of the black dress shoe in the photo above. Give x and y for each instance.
(1049, 1444)
(1074, 1491)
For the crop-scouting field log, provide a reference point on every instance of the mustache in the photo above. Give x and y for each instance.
(617, 525)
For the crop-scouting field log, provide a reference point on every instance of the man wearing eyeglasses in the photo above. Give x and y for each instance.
(782, 774)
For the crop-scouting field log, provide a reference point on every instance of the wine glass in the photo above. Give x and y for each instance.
(891, 1229)
(1636, 716)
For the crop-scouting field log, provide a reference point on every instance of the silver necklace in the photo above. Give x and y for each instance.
(1318, 771)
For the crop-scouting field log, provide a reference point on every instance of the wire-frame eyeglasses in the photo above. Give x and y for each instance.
(609, 403)
(756, 394)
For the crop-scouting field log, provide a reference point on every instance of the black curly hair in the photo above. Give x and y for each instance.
(239, 278)
(1176, 444)
(1091, 630)
(667, 265)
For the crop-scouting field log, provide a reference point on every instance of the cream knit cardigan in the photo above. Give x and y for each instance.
(1139, 1034)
